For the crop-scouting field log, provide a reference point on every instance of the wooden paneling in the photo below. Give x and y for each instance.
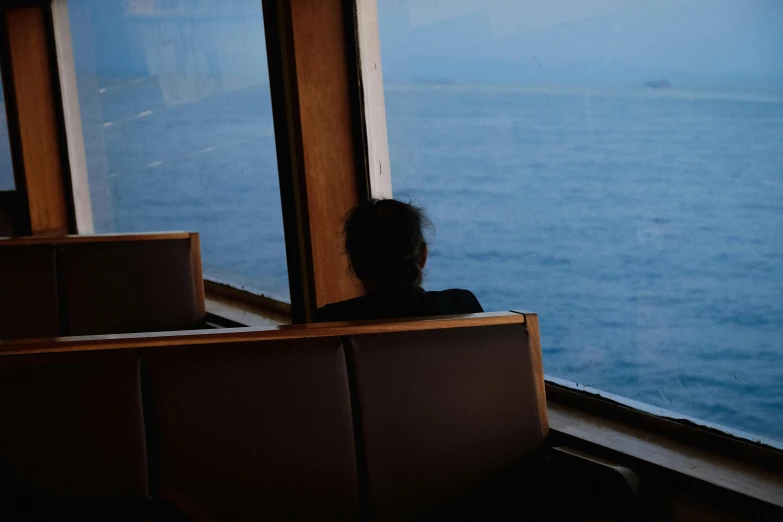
(531, 323)
(320, 178)
(98, 238)
(693, 461)
(229, 313)
(684, 430)
(191, 337)
(327, 140)
(198, 273)
(34, 128)
(268, 307)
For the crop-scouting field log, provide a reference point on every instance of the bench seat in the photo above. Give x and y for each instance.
(396, 420)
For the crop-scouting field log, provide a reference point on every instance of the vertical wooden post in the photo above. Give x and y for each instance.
(314, 109)
(34, 119)
(534, 336)
(198, 273)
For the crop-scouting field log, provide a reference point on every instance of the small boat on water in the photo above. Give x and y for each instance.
(663, 83)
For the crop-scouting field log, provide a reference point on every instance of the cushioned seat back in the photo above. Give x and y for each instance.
(28, 292)
(255, 430)
(128, 286)
(443, 411)
(72, 427)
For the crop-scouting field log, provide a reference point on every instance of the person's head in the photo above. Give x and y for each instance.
(385, 244)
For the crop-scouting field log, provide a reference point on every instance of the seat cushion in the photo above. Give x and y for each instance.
(442, 412)
(28, 286)
(128, 286)
(72, 428)
(255, 430)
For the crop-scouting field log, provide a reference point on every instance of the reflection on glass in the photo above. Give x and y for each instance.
(614, 166)
(6, 168)
(177, 120)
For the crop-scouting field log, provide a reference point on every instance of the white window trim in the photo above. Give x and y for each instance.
(74, 136)
(369, 50)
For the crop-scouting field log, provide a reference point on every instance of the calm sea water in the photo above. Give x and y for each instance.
(644, 227)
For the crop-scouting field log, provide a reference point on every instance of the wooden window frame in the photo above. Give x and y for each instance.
(326, 156)
(332, 152)
(580, 414)
(679, 462)
(685, 431)
(35, 117)
(331, 141)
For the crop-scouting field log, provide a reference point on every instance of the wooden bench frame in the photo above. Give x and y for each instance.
(661, 448)
(200, 337)
(180, 502)
(192, 237)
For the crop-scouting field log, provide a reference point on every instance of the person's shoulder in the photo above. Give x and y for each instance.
(347, 310)
(457, 301)
(457, 293)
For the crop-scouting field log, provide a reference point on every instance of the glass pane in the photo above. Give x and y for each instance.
(177, 120)
(615, 167)
(6, 168)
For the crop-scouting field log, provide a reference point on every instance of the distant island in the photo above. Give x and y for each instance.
(435, 81)
(663, 83)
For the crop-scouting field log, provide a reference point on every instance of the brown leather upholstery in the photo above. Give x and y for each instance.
(256, 430)
(28, 292)
(442, 412)
(134, 286)
(72, 428)
(265, 429)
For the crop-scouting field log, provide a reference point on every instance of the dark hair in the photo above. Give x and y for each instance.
(384, 241)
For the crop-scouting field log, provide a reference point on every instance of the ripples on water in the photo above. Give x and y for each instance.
(644, 228)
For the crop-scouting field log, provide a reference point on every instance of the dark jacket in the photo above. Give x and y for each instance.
(408, 302)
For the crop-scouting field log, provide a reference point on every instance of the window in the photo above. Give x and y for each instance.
(6, 168)
(615, 167)
(176, 112)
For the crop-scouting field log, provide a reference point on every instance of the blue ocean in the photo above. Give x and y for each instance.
(645, 227)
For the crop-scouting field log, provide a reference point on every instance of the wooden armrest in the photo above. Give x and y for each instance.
(599, 467)
(182, 507)
(589, 487)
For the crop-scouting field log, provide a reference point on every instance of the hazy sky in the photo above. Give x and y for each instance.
(613, 39)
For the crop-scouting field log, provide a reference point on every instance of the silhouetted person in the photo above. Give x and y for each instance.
(384, 241)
